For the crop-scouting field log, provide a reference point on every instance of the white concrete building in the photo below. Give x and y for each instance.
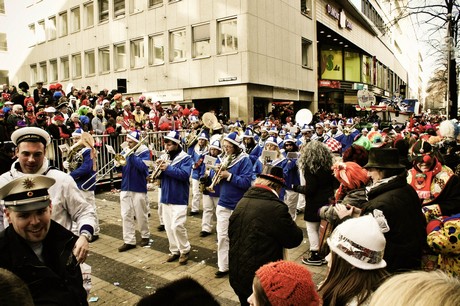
(236, 56)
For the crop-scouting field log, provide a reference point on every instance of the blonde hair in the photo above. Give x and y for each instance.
(418, 288)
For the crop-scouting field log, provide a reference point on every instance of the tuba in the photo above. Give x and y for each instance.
(75, 157)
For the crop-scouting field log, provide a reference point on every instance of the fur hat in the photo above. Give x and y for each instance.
(357, 154)
(385, 158)
(360, 242)
(288, 283)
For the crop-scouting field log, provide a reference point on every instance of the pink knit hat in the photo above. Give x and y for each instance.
(288, 283)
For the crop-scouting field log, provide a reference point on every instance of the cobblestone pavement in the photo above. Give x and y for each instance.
(123, 278)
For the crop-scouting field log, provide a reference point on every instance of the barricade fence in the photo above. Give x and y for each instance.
(153, 140)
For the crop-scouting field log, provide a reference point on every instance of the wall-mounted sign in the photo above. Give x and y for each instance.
(227, 79)
(165, 95)
(340, 16)
(328, 83)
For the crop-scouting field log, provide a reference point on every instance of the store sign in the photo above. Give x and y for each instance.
(365, 98)
(340, 16)
(328, 83)
(227, 79)
(165, 95)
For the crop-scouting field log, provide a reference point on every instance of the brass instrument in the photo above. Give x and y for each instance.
(74, 157)
(120, 159)
(156, 170)
(216, 179)
(347, 130)
(209, 121)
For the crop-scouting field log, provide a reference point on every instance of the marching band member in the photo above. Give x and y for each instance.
(250, 146)
(280, 161)
(81, 166)
(197, 154)
(235, 179)
(175, 189)
(292, 175)
(133, 199)
(210, 199)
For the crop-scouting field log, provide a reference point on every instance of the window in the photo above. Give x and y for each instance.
(137, 53)
(119, 57)
(51, 28)
(42, 72)
(228, 38)
(32, 34)
(366, 70)
(33, 74)
(89, 14)
(103, 10)
(90, 63)
(306, 53)
(177, 46)
(76, 65)
(63, 30)
(156, 50)
(135, 6)
(2, 8)
(201, 40)
(53, 70)
(75, 19)
(155, 2)
(104, 60)
(3, 42)
(118, 8)
(41, 32)
(305, 7)
(65, 68)
(331, 64)
(352, 66)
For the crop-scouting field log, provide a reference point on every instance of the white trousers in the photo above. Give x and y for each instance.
(133, 204)
(160, 208)
(313, 235)
(196, 196)
(223, 242)
(301, 201)
(291, 198)
(209, 212)
(174, 217)
(91, 199)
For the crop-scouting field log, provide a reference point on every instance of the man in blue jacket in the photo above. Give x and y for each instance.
(175, 189)
(133, 195)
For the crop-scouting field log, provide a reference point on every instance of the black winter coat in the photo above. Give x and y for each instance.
(58, 281)
(260, 227)
(401, 207)
(318, 190)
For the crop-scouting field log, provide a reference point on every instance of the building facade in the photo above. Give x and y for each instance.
(240, 57)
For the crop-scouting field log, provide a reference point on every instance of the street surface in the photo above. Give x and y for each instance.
(123, 278)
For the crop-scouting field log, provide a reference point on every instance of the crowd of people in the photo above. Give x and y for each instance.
(381, 203)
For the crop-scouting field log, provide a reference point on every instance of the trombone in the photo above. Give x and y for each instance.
(120, 159)
(157, 168)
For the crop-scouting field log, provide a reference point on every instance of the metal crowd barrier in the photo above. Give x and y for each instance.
(55, 156)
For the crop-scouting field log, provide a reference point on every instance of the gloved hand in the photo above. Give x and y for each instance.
(343, 211)
(66, 164)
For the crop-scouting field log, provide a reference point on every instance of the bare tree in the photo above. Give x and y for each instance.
(440, 21)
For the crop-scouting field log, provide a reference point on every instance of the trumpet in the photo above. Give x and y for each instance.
(120, 159)
(216, 179)
(157, 169)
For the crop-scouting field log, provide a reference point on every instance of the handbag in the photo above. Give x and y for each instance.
(325, 230)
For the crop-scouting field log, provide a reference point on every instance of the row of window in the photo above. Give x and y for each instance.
(138, 54)
(337, 64)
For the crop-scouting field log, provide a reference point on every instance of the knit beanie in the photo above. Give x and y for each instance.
(288, 283)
